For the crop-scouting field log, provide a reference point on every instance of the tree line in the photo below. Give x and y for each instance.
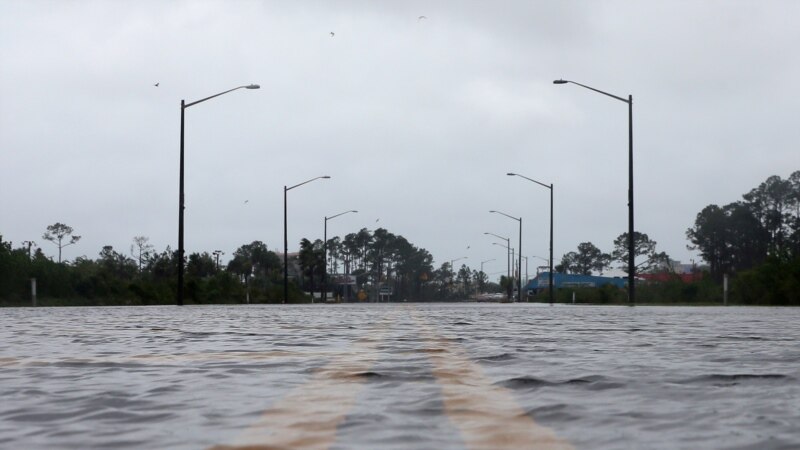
(381, 258)
(589, 259)
(756, 241)
(254, 274)
(144, 277)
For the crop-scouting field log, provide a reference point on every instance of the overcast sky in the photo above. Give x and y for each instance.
(417, 121)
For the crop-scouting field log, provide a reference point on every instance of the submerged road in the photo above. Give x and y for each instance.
(486, 416)
(406, 376)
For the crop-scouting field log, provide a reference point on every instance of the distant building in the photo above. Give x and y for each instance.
(679, 267)
(675, 270)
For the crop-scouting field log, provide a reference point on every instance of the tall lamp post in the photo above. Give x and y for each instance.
(519, 252)
(181, 207)
(286, 239)
(482, 262)
(29, 244)
(541, 267)
(631, 265)
(550, 281)
(453, 261)
(508, 251)
(526, 270)
(510, 255)
(216, 254)
(325, 255)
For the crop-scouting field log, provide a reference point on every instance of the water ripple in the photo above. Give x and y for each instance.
(204, 376)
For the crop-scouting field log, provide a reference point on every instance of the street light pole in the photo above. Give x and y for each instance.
(526, 270)
(29, 244)
(216, 254)
(180, 217)
(325, 255)
(181, 206)
(510, 256)
(550, 186)
(286, 239)
(508, 251)
(631, 247)
(519, 252)
(542, 267)
(453, 261)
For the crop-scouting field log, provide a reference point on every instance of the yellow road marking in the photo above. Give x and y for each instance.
(309, 416)
(8, 361)
(487, 415)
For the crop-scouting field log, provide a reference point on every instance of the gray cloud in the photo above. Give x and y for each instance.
(416, 121)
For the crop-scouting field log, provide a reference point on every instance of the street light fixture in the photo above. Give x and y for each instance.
(286, 239)
(325, 255)
(452, 261)
(550, 186)
(181, 206)
(631, 265)
(519, 264)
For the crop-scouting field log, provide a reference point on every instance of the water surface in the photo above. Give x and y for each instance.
(404, 376)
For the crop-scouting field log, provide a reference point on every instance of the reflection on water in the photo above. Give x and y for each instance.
(400, 376)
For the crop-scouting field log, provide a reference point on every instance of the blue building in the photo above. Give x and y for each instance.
(568, 280)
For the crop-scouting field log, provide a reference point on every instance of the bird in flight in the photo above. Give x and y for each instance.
(246, 201)
(332, 33)
(156, 85)
(421, 17)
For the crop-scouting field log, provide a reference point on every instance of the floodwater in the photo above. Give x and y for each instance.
(400, 376)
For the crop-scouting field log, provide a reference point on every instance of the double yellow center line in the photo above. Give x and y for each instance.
(486, 415)
(309, 416)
